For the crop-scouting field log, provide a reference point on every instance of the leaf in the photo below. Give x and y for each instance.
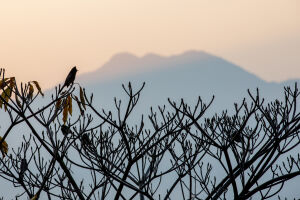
(3, 83)
(31, 90)
(3, 147)
(35, 197)
(6, 94)
(38, 87)
(65, 113)
(58, 103)
(82, 98)
(12, 82)
(70, 104)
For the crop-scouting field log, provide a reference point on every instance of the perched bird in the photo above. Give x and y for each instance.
(85, 140)
(65, 129)
(23, 167)
(70, 78)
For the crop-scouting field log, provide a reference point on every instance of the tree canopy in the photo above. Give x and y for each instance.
(74, 150)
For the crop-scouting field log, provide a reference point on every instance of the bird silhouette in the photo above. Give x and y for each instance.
(85, 140)
(65, 129)
(70, 78)
(23, 167)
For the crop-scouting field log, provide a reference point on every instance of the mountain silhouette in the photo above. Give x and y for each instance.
(128, 65)
(187, 76)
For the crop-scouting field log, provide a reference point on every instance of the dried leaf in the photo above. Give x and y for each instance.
(82, 98)
(65, 113)
(38, 87)
(3, 147)
(58, 103)
(35, 197)
(6, 94)
(31, 90)
(3, 83)
(70, 104)
(12, 82)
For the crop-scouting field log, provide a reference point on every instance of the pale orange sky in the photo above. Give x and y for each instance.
(42, 40)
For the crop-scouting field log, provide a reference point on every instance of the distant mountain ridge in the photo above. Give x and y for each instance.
(187, 75)
(126, 64)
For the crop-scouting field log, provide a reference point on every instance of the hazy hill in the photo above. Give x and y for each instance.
(188, 75)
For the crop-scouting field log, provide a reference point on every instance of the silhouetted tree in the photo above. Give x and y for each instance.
(174, 153)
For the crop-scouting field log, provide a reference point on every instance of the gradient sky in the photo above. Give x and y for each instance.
(42, 40)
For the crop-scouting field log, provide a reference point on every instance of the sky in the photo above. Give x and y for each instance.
(43, 40)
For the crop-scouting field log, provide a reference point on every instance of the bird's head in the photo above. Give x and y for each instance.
(74, 69)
